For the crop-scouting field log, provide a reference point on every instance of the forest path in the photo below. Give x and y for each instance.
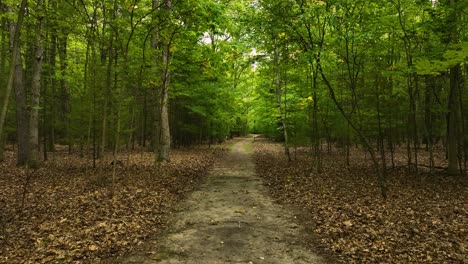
(230, 219)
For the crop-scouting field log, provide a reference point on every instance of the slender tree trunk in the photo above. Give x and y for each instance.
(156, 89)
(463, 137)
(165, 130)
(95, 151)
(415, 124)
(35, 95)
(381, 137)
(165, 134)
(454, 106)
(64, 89)
(14, 72)
(85, 88)
(282, 117)
(116, 150)
(316, 135)
(279, 102)
(453, 117)
(380, 175)
(133, 129)
(411, 81)
(4, 50)
(430, 83)
(464, 130)
(22, 119)
(107, 96)
(144, 120)
(44, 85)
(4, 54)
(53, 90)
(411, 129)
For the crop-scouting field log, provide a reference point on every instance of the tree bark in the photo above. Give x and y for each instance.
(4, 54)
(53, 92)
(317, 154)
(165, 129)
(14, 73)
(452, 133)
(430, 84)
(22, 119)
(453, 102)
(162, 129)
(156, 89)
(107, 96)
(279, 102)
(64, 89)
(35, 96)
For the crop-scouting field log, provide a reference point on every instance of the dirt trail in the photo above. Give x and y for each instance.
(230, 219)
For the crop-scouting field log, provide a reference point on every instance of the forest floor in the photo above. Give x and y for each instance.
(230, 218)
(245, 205)
(424, 219)
(66, 211)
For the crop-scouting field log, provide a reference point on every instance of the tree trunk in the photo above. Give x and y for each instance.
(316, 136)
(14, 73)
(116, 150)
(3, 74)
(453, 102)
(64, 90)
(22, 120)
(380, 144)
(452, 133)
(163, 134)
(279, 102)
(164, 119)
(44, 85)
(35, 95)
(430, 86)
(464, 115)
(53, 90)
(107, 96)
(382, 181)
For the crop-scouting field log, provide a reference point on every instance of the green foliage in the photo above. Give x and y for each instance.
(224, 61)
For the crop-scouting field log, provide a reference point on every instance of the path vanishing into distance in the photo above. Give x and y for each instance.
(230, 219)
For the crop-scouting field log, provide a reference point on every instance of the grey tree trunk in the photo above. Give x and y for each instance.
(162, 129)
(165, 142)
(22, 120)
(282, 116)
(156, 138)
(279, 103)
(165, 137)
(35, 96)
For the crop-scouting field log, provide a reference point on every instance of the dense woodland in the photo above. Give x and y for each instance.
(100, 75)
(99, 80)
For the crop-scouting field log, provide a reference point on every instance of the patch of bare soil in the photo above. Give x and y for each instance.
(424, 220)
(230, 219)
